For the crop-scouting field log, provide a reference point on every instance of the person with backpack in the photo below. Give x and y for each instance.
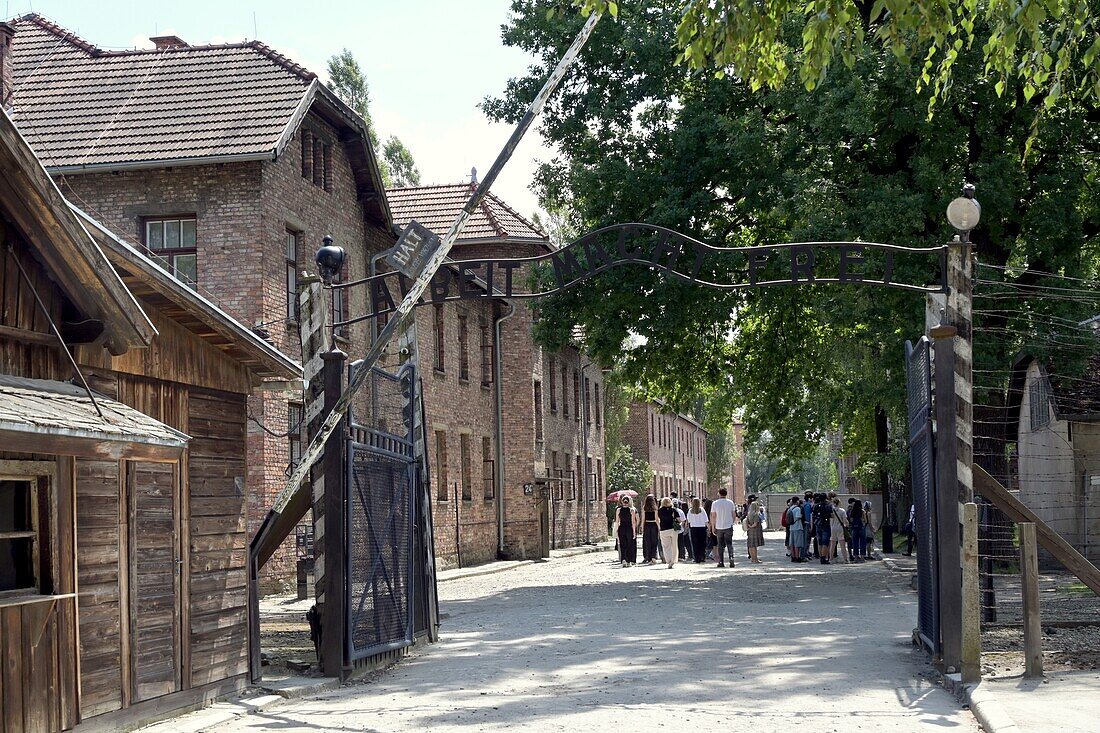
(670, 520)
(786, 527)
(856, 527)
(797, 529)
(838, 530)
(821, 514)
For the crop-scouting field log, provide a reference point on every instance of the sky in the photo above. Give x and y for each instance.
(428, 63)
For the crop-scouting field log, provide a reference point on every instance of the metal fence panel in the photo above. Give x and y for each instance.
(922, 468)
(382, 520)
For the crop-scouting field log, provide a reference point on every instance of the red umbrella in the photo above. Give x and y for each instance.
(616, 496)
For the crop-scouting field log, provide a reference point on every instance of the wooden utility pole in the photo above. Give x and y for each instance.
(1029, 579)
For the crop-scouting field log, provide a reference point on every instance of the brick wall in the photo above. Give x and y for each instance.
(674, 446)
(243, 212)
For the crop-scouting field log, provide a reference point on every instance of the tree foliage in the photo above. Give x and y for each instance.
(625, 471)
(1045, 48)
(766, 471)
(396, 163)
(402, 167)
(644, 138)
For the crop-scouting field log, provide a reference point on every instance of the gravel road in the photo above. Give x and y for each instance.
(583, 644)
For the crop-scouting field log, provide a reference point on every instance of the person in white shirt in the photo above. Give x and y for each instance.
(721, 526)
(698, 521)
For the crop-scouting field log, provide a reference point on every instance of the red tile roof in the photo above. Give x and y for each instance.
(436, 207)
(79, 105)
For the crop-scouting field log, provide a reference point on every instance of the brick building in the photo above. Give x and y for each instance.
(542, 424)
(228, 162)
(674, 445)
(737, 479)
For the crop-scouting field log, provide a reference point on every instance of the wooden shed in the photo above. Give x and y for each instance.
(122, 507)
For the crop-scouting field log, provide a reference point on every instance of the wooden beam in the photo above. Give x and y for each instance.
(1050, 540)
(65, 445)
(30, 337)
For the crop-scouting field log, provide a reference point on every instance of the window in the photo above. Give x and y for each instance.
(439, 362)
(553, 386)
(587, 403)
(487, 466)
(316, 160)
(467, 469)
(588, 478)
(441, 465)
(173, 240)
(292, 275)
(598, 488)
(564, 391)
(1039, 397)
(19, 534)
(576, 395)
(294, 431)
(559, 487)
(538, 410)
(598, 405)
(486, 350)
(579, 480)
(463, 348)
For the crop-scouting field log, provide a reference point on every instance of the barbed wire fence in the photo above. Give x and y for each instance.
(1042, 444)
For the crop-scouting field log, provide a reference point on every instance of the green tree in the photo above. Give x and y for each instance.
(625, 471)
(643, 138)
(350, 84)
(396, 163)
(1048, 48)
(403, 170)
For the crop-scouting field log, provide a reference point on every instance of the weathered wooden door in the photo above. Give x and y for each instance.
(154, 579)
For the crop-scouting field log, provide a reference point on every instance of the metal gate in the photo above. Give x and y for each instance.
(384, 533)
(918, 375)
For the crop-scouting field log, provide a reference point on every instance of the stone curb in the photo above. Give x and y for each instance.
(987, 710)
(502, 566)
(255, 699)
(983, 704)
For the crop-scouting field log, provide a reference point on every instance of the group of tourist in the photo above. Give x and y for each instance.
(818, 527)
(698, 529)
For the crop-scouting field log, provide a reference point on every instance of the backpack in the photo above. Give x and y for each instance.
(783, 520)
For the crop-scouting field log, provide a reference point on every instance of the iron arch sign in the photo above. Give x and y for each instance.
(677, 255)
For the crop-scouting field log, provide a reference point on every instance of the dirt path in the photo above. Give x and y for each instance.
(582, 644)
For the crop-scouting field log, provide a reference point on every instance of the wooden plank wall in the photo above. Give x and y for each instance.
(25, 335)
(98, 488)
(34, 697)
(218, 505)
(154, 579)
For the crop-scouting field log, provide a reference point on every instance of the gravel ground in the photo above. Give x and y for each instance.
(582, 643)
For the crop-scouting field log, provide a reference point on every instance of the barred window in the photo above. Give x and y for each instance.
(1039, 397)
(294, 431)
(538, 410)
(598, 405)
(487, 469)
(467, 468)
(553, 386)
(292, 275)
(441, 465)
(463, 347)
(439, 362)
(486, 350)
(576, 395)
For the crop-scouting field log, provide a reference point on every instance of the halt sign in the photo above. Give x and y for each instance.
(413, 250)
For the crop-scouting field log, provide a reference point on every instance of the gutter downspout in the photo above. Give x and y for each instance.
(498, 389)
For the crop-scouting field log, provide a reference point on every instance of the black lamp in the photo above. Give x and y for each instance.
(329, 259)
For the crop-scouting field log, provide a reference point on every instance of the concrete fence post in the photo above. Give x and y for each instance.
(971, 598)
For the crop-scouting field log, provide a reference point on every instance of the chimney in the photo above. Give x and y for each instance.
(166, 42)
(7, 79)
